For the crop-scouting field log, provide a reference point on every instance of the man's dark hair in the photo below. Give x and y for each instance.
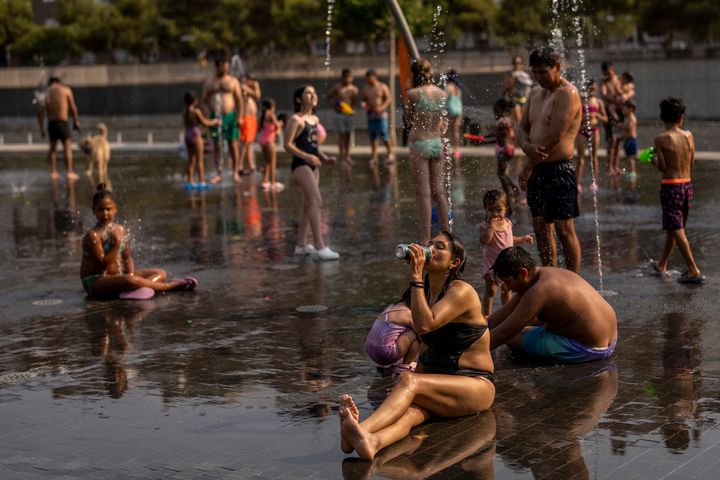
(345, 72)
(509, 262)
(547, 57)
(371, 73)
(671, 109)
(628, 77)
(220, 59)
(605, 66)
(52, 80)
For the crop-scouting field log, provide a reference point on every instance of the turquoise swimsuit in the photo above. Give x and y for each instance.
(454, 106)
(429, 147)
(89, 280)
(541, 343)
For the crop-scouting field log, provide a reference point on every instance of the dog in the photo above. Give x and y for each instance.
(97, 150)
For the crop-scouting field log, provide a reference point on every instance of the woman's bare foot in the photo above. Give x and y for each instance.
(352, 433)
(347, 403)
(215, 179)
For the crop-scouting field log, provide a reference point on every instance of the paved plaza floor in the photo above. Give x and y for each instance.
(241, 378)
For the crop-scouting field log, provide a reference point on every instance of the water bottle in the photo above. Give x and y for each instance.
(403, 251)
(647, 155)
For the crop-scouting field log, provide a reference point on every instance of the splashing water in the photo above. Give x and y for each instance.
(328, 33)
(237, 67)
(581, 74)
(217, 109)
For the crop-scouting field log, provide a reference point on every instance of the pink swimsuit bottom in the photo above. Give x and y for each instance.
(380, 344)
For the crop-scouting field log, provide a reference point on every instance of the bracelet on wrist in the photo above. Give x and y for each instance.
(417, 285)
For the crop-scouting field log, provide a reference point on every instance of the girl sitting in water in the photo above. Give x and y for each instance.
(391, 341)
(107, 266)
(193, 118)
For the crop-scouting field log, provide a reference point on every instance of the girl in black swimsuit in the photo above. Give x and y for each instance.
(301, 141)
(454, 377)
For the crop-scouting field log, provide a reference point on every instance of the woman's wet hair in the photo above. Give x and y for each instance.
(406, 297)
(452, 76)
(457, 250)
(421, 72)
(189, 98)
(297, 97)
(509, 262)
(671, 109)
(545, 57)
(494, 196)
(101, 193)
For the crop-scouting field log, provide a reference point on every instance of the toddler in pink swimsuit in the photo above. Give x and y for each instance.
(391, 341)
(496, 234)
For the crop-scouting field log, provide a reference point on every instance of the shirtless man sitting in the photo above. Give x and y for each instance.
(556, 314)
(223, 99)
(58, 101)
(548, 128)
(376, 100)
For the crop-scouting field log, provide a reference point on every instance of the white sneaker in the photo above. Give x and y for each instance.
(326, 254)
(305, 250)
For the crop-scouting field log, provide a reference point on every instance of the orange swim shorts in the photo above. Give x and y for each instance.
(249, 128)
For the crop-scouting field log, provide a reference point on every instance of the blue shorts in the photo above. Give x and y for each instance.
(631, 147)
(378, 128)
(541, 343)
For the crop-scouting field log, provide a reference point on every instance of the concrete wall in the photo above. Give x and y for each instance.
(158, 89)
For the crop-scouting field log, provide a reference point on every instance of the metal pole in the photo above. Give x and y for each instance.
(391, 81)
(404, 29)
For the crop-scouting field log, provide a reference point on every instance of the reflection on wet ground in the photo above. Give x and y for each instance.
(236, 381)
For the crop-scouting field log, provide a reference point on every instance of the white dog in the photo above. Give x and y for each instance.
(97, 150)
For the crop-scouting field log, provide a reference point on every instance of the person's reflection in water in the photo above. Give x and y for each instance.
(678, 391)
(271, 228)
(199, 229)
(545, 438)
(382, 208)
(111, 337)
(434, 448)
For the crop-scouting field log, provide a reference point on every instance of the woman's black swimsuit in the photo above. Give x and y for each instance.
(307, 141)
(446, 344)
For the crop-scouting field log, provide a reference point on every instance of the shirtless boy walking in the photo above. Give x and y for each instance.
(376, 100)
(549, 125)
(341, 98)
(556, 314)
(221, 93)
(675, 156)
(59, 101)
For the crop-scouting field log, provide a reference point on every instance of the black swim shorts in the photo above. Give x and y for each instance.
(552, 191)
(58, 130)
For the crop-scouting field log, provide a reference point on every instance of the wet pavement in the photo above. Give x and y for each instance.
(240, 379)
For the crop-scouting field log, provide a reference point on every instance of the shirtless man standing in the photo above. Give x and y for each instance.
(376, 100)
(547, 132)
(58, 100)
(222, 92)
(251, 95)
(612, 92)
(341, 98)
(556, 314)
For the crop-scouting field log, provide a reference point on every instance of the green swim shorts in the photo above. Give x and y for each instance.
(230, 129)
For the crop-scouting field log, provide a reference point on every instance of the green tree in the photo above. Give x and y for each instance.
(524, 22)
(16, 25)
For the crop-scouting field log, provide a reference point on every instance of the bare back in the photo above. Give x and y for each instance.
(676, 153)
(58, 101)
(425, 111)
(553, 118)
